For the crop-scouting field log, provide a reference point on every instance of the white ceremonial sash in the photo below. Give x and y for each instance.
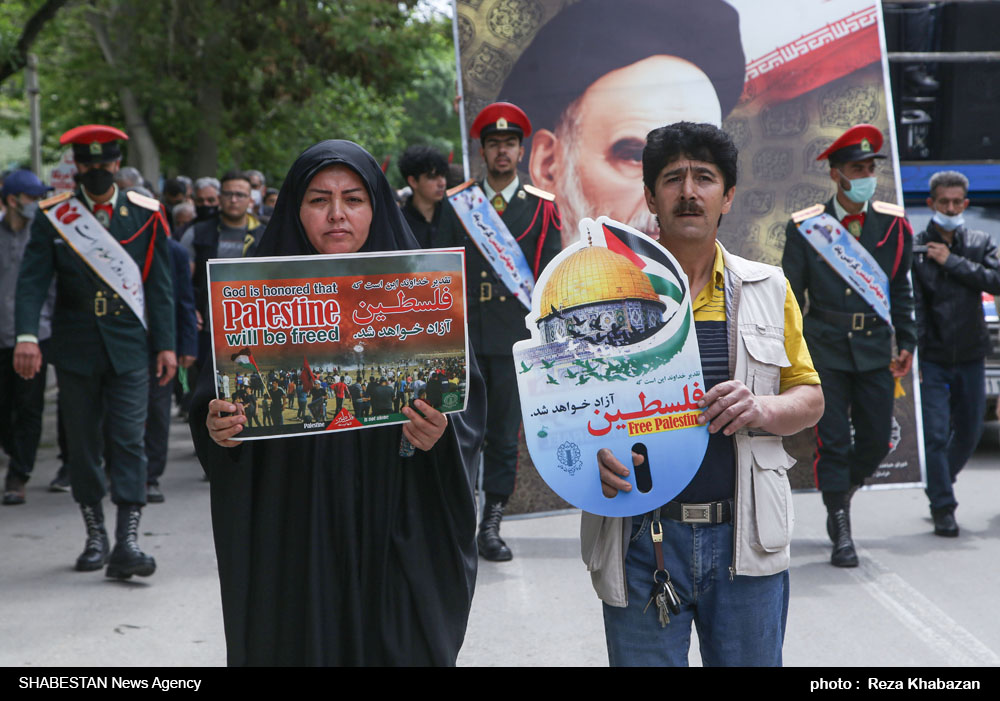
(101, 252)
(491, 236)
(850, 260)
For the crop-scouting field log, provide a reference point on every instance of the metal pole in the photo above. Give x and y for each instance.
(31, 88)
(461, 90)
(945, 56)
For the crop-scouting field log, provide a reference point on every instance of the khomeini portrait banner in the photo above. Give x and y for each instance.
(784, 79)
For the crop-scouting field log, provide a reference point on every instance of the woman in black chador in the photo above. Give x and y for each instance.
(333, 549)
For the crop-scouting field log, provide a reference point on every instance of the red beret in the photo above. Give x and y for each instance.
(501, 117)
(859, 143)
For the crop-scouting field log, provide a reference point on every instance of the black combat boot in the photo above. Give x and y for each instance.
(835, 501)
(944, 522)
(127, 559)
(95, 552)
(491, 546)
(844, 554)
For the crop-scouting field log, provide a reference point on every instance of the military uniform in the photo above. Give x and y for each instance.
(851, 346)
(100, 349)
(496, 317)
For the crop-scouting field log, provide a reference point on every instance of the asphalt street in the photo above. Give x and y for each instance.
(916, 600)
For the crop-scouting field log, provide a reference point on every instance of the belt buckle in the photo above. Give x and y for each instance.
(858, 321)
(485, 292)
(696, 513)
(100, 306)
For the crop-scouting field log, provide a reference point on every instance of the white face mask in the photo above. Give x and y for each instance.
(948, 223)
(255, 196)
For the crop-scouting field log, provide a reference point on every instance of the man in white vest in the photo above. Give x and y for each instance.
(107, 250)
(717, 554)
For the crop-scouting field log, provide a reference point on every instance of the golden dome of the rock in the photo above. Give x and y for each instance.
(591, 275)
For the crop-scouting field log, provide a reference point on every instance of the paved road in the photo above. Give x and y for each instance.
(917, 600)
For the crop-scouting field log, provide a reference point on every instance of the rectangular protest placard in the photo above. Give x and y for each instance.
(319, 343)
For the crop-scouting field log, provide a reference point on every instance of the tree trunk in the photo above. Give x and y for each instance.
(143, 153)
(204, 159)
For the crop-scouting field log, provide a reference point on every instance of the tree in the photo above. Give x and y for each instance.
(14, 52)
(204, 86)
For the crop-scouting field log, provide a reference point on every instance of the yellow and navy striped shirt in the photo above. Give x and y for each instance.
(716, 478)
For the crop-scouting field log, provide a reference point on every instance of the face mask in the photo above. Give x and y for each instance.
(255, 196)
(28, 210)
(948, 223)
(862, 189)
(96, 181)
(205, 211)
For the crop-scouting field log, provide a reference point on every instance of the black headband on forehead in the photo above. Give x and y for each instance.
(591, 38)
(285, 235)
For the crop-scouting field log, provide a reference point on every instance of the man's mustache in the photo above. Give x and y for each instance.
(688, 207)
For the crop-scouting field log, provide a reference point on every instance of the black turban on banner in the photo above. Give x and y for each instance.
(333, 549)
(591, 38)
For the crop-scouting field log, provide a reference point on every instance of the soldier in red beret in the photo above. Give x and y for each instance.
(496, 317)
(853, 347)
(113, 309)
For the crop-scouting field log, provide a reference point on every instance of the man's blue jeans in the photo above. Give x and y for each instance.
(953, 398)
(740, 622)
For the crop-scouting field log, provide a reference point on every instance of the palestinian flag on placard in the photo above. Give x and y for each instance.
(307, 377)
(616, 241)
(244, 360)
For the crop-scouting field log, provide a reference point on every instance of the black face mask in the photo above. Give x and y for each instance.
(205, 211)
(96, 181)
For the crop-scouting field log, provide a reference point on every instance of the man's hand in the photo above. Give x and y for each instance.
(27, 359)
(166, 366)
(730, 406)
(937, 252)
(221, 429)
(612, 472)
(424, 431)
(186, 361)
(900, 366)
(201, 322)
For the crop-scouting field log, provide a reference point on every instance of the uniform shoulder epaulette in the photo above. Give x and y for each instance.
(542, 194)
(54, 200)
(893, 210)
(808, 213)
(143, 201)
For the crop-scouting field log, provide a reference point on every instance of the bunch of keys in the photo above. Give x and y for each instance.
(665, 597)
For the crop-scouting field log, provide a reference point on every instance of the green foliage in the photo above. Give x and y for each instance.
(247, 83)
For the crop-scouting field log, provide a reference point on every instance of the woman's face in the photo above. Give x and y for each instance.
(336, 211)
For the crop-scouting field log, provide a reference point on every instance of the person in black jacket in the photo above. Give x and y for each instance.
(948, 281)
(424, 170)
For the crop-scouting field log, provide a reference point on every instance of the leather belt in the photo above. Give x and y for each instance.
(850, 321)
(493, 291)
(712, 513)
(99, 305)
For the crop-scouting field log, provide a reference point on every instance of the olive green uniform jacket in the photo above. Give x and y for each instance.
(888, 238)
(496, 317)
(83, 327)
